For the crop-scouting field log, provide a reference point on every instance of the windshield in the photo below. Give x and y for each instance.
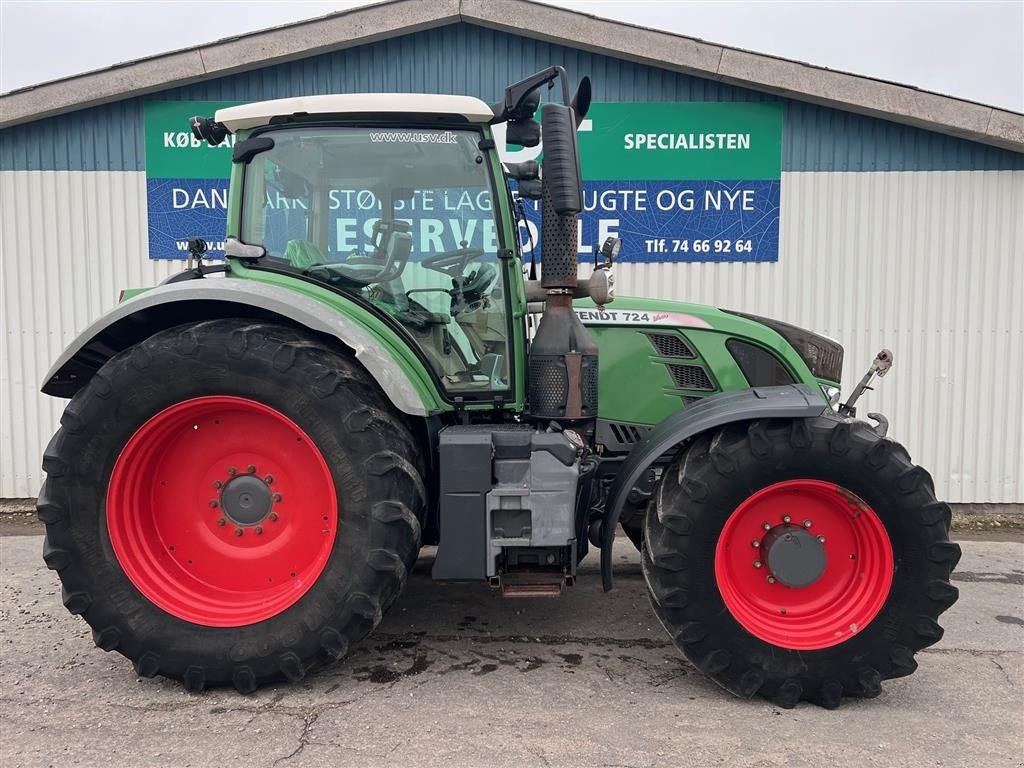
(403, 218)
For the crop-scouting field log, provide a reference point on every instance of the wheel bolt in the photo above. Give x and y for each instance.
(786, 518)
(268, 479)
(272, 517)
(222, 521)
(766, 526)
(214, 503)
(218, 484)
(757, 563)
(232, 471)
(821, 539)
(755, 543)
(807, 523)
(258, 529)
(771, 579)
(251, 469)
(239, 531)
(277, 497)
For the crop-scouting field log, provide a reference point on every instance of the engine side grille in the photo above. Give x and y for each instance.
(690, 377)
(618, 436)
(671, 345)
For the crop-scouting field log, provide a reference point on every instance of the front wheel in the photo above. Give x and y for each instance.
(231, 503)
(804, 559)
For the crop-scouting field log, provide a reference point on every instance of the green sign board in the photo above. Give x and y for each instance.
(673, 141)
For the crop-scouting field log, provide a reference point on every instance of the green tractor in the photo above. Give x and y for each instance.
(255, 450)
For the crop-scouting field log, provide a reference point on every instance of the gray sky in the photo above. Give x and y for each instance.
(972, 49)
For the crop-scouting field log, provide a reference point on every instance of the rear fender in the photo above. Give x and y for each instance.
(793, 401)
(408, 386)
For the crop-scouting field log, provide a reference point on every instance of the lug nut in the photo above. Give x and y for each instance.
(755, 543)
(232, 471)
(821, 539)
(222, 521)
(214, 503)
(239, 531)
(771, 579)
(766, 526)
(272, 517)
(757, 563)
(807, 523)
(277, 497)
(786, 518)
(218, 484)
(269, 479)
(258, 529)
(251, 469)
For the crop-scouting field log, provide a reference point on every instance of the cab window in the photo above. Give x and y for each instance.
(402, 217)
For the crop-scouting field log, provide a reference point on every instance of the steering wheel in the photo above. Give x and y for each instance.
(453, 263)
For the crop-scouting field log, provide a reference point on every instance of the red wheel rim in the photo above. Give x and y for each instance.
(851, 588)
(222, 511)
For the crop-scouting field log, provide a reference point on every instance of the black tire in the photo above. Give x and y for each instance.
(371, 455)
(632, 522)
(715, 474)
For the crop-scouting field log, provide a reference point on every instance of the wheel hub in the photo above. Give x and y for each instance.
(222, 511)
(246, 500)
(794, 556)
(778, 580)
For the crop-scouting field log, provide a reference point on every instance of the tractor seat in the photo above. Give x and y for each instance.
(393, 246)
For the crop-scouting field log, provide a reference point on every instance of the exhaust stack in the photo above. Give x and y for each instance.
(562, 382)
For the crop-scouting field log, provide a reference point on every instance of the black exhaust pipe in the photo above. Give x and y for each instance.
(562, 382)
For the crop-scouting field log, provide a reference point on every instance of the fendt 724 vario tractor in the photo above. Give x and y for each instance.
(255, 450)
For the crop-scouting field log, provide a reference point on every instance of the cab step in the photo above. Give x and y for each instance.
(531, 584)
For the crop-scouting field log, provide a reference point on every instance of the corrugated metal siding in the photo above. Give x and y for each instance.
(70, 241)
(463, 58)
(928, 264)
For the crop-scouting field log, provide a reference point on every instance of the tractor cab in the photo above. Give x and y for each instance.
(400, 216)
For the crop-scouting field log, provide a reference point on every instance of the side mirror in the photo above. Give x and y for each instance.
(561, 173)
(581, 100)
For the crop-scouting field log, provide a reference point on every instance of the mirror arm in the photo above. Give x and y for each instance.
(516, 93)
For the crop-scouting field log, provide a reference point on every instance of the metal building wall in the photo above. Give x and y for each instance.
(890, 236)
(917, 262)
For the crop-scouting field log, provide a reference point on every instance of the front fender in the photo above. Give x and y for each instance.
(407, 386)
(792, 401)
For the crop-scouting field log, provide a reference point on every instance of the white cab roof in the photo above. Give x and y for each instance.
(260, 112)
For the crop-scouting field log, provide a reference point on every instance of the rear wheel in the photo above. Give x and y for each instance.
(231, 503)
(802, 559)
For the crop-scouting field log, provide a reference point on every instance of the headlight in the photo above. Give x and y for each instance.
(823, 355)
(831, 394)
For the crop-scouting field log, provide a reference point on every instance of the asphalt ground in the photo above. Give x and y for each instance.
(456, 676)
